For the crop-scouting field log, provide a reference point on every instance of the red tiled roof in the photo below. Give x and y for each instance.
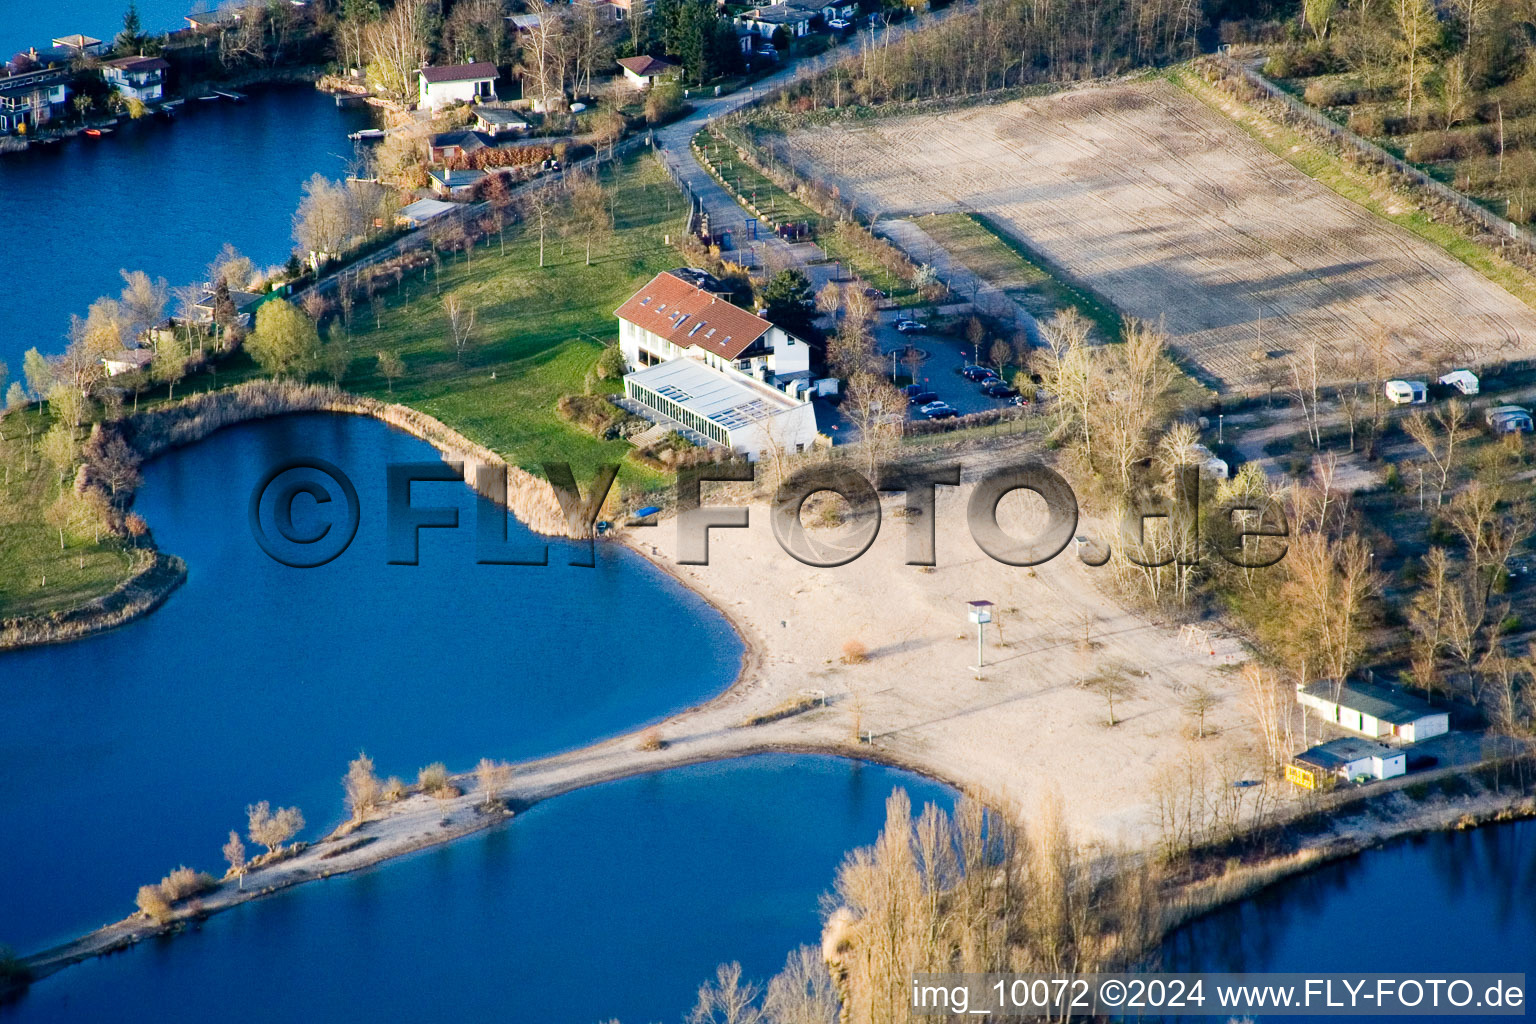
(460, 72)
(685, 315)
(645, 65)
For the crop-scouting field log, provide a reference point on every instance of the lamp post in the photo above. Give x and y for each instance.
(981, 614)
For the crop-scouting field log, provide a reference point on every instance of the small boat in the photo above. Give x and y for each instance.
(97, 133)
(210, 98)
(233, 97)
(173, 104)
(368, 135)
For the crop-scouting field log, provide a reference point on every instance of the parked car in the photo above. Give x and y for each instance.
(914, 389)
(1018, 400)
(908, 326)
(1407, 392)
(923, 398)
(838, 24)
(999, 389)
(873, 293)
(978, 373)
(1464, 381)
(938, 410)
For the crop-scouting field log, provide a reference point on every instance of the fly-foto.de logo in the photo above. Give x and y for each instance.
(1164, 525)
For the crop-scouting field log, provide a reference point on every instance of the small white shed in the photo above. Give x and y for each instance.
(1353, 758)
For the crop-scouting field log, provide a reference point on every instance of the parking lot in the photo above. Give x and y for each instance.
(940, 372)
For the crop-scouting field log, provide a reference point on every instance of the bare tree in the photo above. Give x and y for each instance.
(1439, 436)
(461, 324)
(272, 828)
(391, 368)
(362, 787)
(1112, 683)
(727, 1000)
(879, 410)
(540, 204)
(1199, 702)
(395, 46)
(492, 777)
(802, 993)
(234, 855)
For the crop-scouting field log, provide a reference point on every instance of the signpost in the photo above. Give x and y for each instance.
(981, 614)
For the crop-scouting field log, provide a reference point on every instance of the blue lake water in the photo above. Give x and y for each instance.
(158, 197)
(1460, 901)
(135, 751)
(615, 901)
(24, 23)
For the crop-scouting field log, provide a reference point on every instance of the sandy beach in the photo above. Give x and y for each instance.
(1027, 726)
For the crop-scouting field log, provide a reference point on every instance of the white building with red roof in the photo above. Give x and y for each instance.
(459, 83)
(715, 368)
(643, 69)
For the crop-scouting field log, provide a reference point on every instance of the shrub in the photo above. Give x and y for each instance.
(184, 882)
(1331, 94)
(1368, 122)
(394, 790)
(854, 653)
(433, 780)
(651, 740)
(153, 904)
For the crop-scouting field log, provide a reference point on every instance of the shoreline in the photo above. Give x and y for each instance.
(138, 595)
(529, 498)
(394, 834)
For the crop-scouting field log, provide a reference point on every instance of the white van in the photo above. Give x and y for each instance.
(1464, 381)
(1407, 392)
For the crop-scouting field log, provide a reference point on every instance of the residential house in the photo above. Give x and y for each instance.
(32, 98)
(213, 21)
(641, 71)
(525, 22)
(80, 45)
(1346, 758)
(244, 302)
(454, 183)
(794, 19)
(839, 11)
(446, 146)
(1374, 711)
(498, 120)
(623, 10)
(459, 83)
(128, 360)
(137, 78)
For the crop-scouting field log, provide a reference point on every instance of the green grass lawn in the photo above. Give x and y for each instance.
(539, 330)
(37, 576)
(1005, 262)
